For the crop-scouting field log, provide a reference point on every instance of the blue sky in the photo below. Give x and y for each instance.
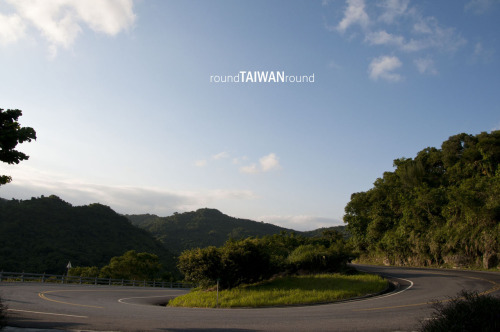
(119, 93)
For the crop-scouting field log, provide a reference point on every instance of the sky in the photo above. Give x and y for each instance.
(156, 107)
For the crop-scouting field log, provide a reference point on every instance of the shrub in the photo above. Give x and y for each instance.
(467, 312)
(244, 262)
(201, 266)
(317, 258)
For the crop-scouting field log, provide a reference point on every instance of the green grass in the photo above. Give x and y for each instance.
(284, 291)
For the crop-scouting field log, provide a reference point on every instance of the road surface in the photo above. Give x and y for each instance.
(103, 308)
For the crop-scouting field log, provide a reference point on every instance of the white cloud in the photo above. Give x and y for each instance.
(425, 66)
(393, 9)
(301, 222)
(480, 6)
(123, 199)
(383, 67)
(382, 37)
(60, 21)
(430, 34)
(12, 28)
(200, 163)
(266, 164)
(482, 54)
(399, 27)
(354, 14)
(250, 169)
(269, 162)
(221, 155)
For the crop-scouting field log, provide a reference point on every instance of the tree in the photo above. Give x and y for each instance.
(202, 266)
(11, 134)
(133, 266)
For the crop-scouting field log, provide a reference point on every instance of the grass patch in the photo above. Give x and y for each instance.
(293, 290)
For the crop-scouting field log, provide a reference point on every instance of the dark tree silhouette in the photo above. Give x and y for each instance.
(11, 134)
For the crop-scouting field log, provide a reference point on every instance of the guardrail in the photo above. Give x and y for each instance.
(62, 279)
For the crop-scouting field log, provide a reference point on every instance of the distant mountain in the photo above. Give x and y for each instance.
(319, 232)
(201, 228)
(43, 234)
(208, 227)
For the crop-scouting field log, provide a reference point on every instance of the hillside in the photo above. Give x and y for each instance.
(43, 234)
(201, 228)
(440, 208)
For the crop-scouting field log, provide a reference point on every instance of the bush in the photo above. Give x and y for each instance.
(202, 266)
(467, 312)
(3, 314)
(244, 262)
(317, 258)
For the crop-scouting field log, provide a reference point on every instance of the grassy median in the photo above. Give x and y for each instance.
(292, 290)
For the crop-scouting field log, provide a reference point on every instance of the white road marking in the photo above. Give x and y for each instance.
(46, 313)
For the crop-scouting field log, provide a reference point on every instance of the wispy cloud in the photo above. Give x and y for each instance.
(398, 27)
(354, 14)
(200, 163)
(480, 6)
(12, 28)
(123, 199)
(60, 22)
(392, 9)
(384, 67)
(482, 54)
(425, 66)
(267, 163)
(220, 155)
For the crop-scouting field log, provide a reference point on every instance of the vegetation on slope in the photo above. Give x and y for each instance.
(440, 208)
(43, 234)
(201, 228)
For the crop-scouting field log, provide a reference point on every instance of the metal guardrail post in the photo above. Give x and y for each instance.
(22, 277)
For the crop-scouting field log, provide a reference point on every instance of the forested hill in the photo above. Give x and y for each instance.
(201, 228)
(43, 234)
(440, 208)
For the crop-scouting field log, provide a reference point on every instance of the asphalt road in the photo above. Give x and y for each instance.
(103, 308)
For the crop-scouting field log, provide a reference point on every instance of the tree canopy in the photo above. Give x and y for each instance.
(11, 134)
(255, 259)
(440, 208)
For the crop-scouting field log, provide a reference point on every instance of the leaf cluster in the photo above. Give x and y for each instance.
(11, 134)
